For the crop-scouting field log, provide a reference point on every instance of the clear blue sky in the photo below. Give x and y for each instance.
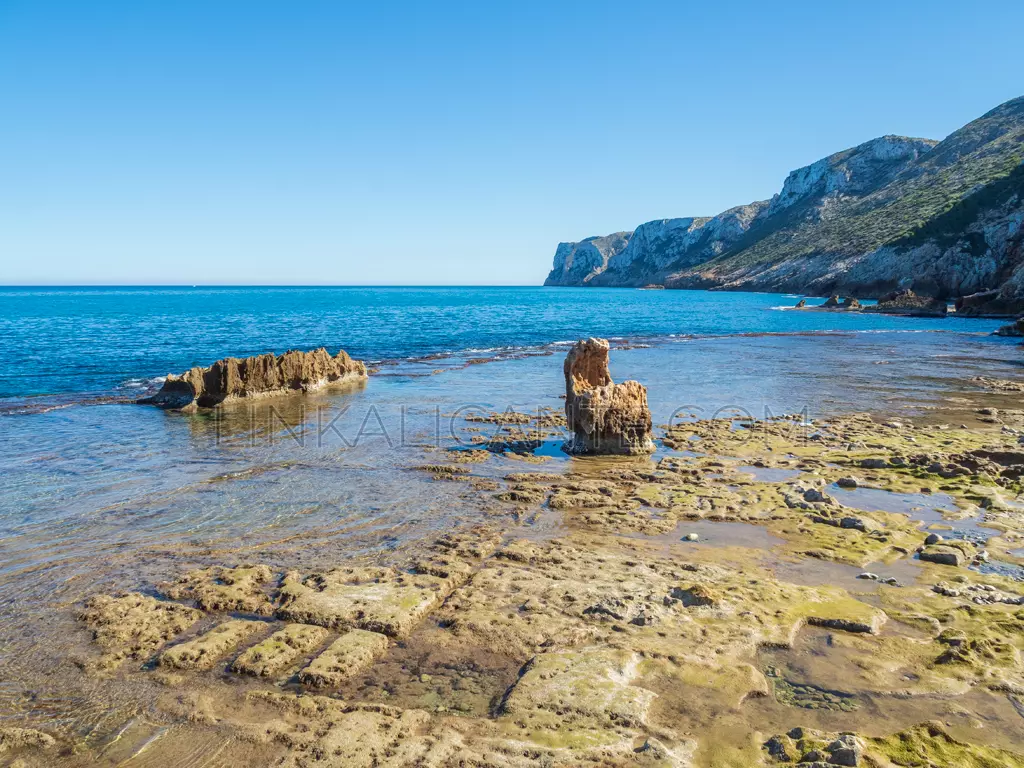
(440, 143)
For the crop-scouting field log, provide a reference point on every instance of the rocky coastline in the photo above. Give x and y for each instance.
(944, 219)
(759, 592)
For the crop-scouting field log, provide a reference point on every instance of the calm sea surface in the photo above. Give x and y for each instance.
(105, 340)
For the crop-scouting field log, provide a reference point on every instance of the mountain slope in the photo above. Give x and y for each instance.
(941, 217)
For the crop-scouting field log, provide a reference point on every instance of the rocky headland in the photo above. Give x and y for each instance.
(941, 218)
(233, 378)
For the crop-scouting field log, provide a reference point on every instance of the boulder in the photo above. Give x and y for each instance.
(605, 417)
(801, 304)
(1004, 302)
(851, 303)
(906, 302)
(832, 301)
(943, 555)
(234, 379)
(1016, 328)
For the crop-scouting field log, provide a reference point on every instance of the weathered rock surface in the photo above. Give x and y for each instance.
(941, 218)
(905, 302)
(224, 589)
(605, 417)
(134, 626)
(280, 650)
(203, 652)
(24, 738)
(350, 654)
(1016, 328)
(233, 378)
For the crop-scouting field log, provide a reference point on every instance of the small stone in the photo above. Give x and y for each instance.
(857, 524)
(845, 751)
(814, 495)
(847, 482)
(691, 537)
(869, 576)
(943, 555)
(933, 538)
(425, 678)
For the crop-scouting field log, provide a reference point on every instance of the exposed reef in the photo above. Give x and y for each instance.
(235, 379)
(906, 302)
(605, 417)
(864, 576)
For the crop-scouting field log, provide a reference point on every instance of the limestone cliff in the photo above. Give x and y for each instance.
(941, 218)
(235, 379)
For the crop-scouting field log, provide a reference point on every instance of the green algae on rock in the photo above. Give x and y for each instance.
(204, 651)
(133, 626)
(280, 651)
(354, 651)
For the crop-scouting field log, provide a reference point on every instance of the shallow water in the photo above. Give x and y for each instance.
(119, 496)
(105, 341)
(770, 474)
(932, 510)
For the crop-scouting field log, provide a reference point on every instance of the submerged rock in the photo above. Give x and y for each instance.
(605, 417)
(233, 378)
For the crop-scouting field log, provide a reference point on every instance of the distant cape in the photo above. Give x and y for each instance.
(943, 218)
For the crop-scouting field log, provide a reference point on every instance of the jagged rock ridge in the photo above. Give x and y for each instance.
(233, 378)
(941, 218)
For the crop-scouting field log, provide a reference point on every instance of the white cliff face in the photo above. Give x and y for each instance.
(942, 218)
(659, 248)
(853, 171)
(578, 263)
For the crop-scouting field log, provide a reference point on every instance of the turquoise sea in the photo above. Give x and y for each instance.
(84, 466)
(106, 341)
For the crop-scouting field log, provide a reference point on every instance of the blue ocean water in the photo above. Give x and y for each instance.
(64, 341)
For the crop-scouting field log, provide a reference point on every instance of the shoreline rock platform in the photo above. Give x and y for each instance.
(817, 619)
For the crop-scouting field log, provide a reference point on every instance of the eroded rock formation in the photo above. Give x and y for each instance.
(906, 302)
(605, 417)
(233, 378)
